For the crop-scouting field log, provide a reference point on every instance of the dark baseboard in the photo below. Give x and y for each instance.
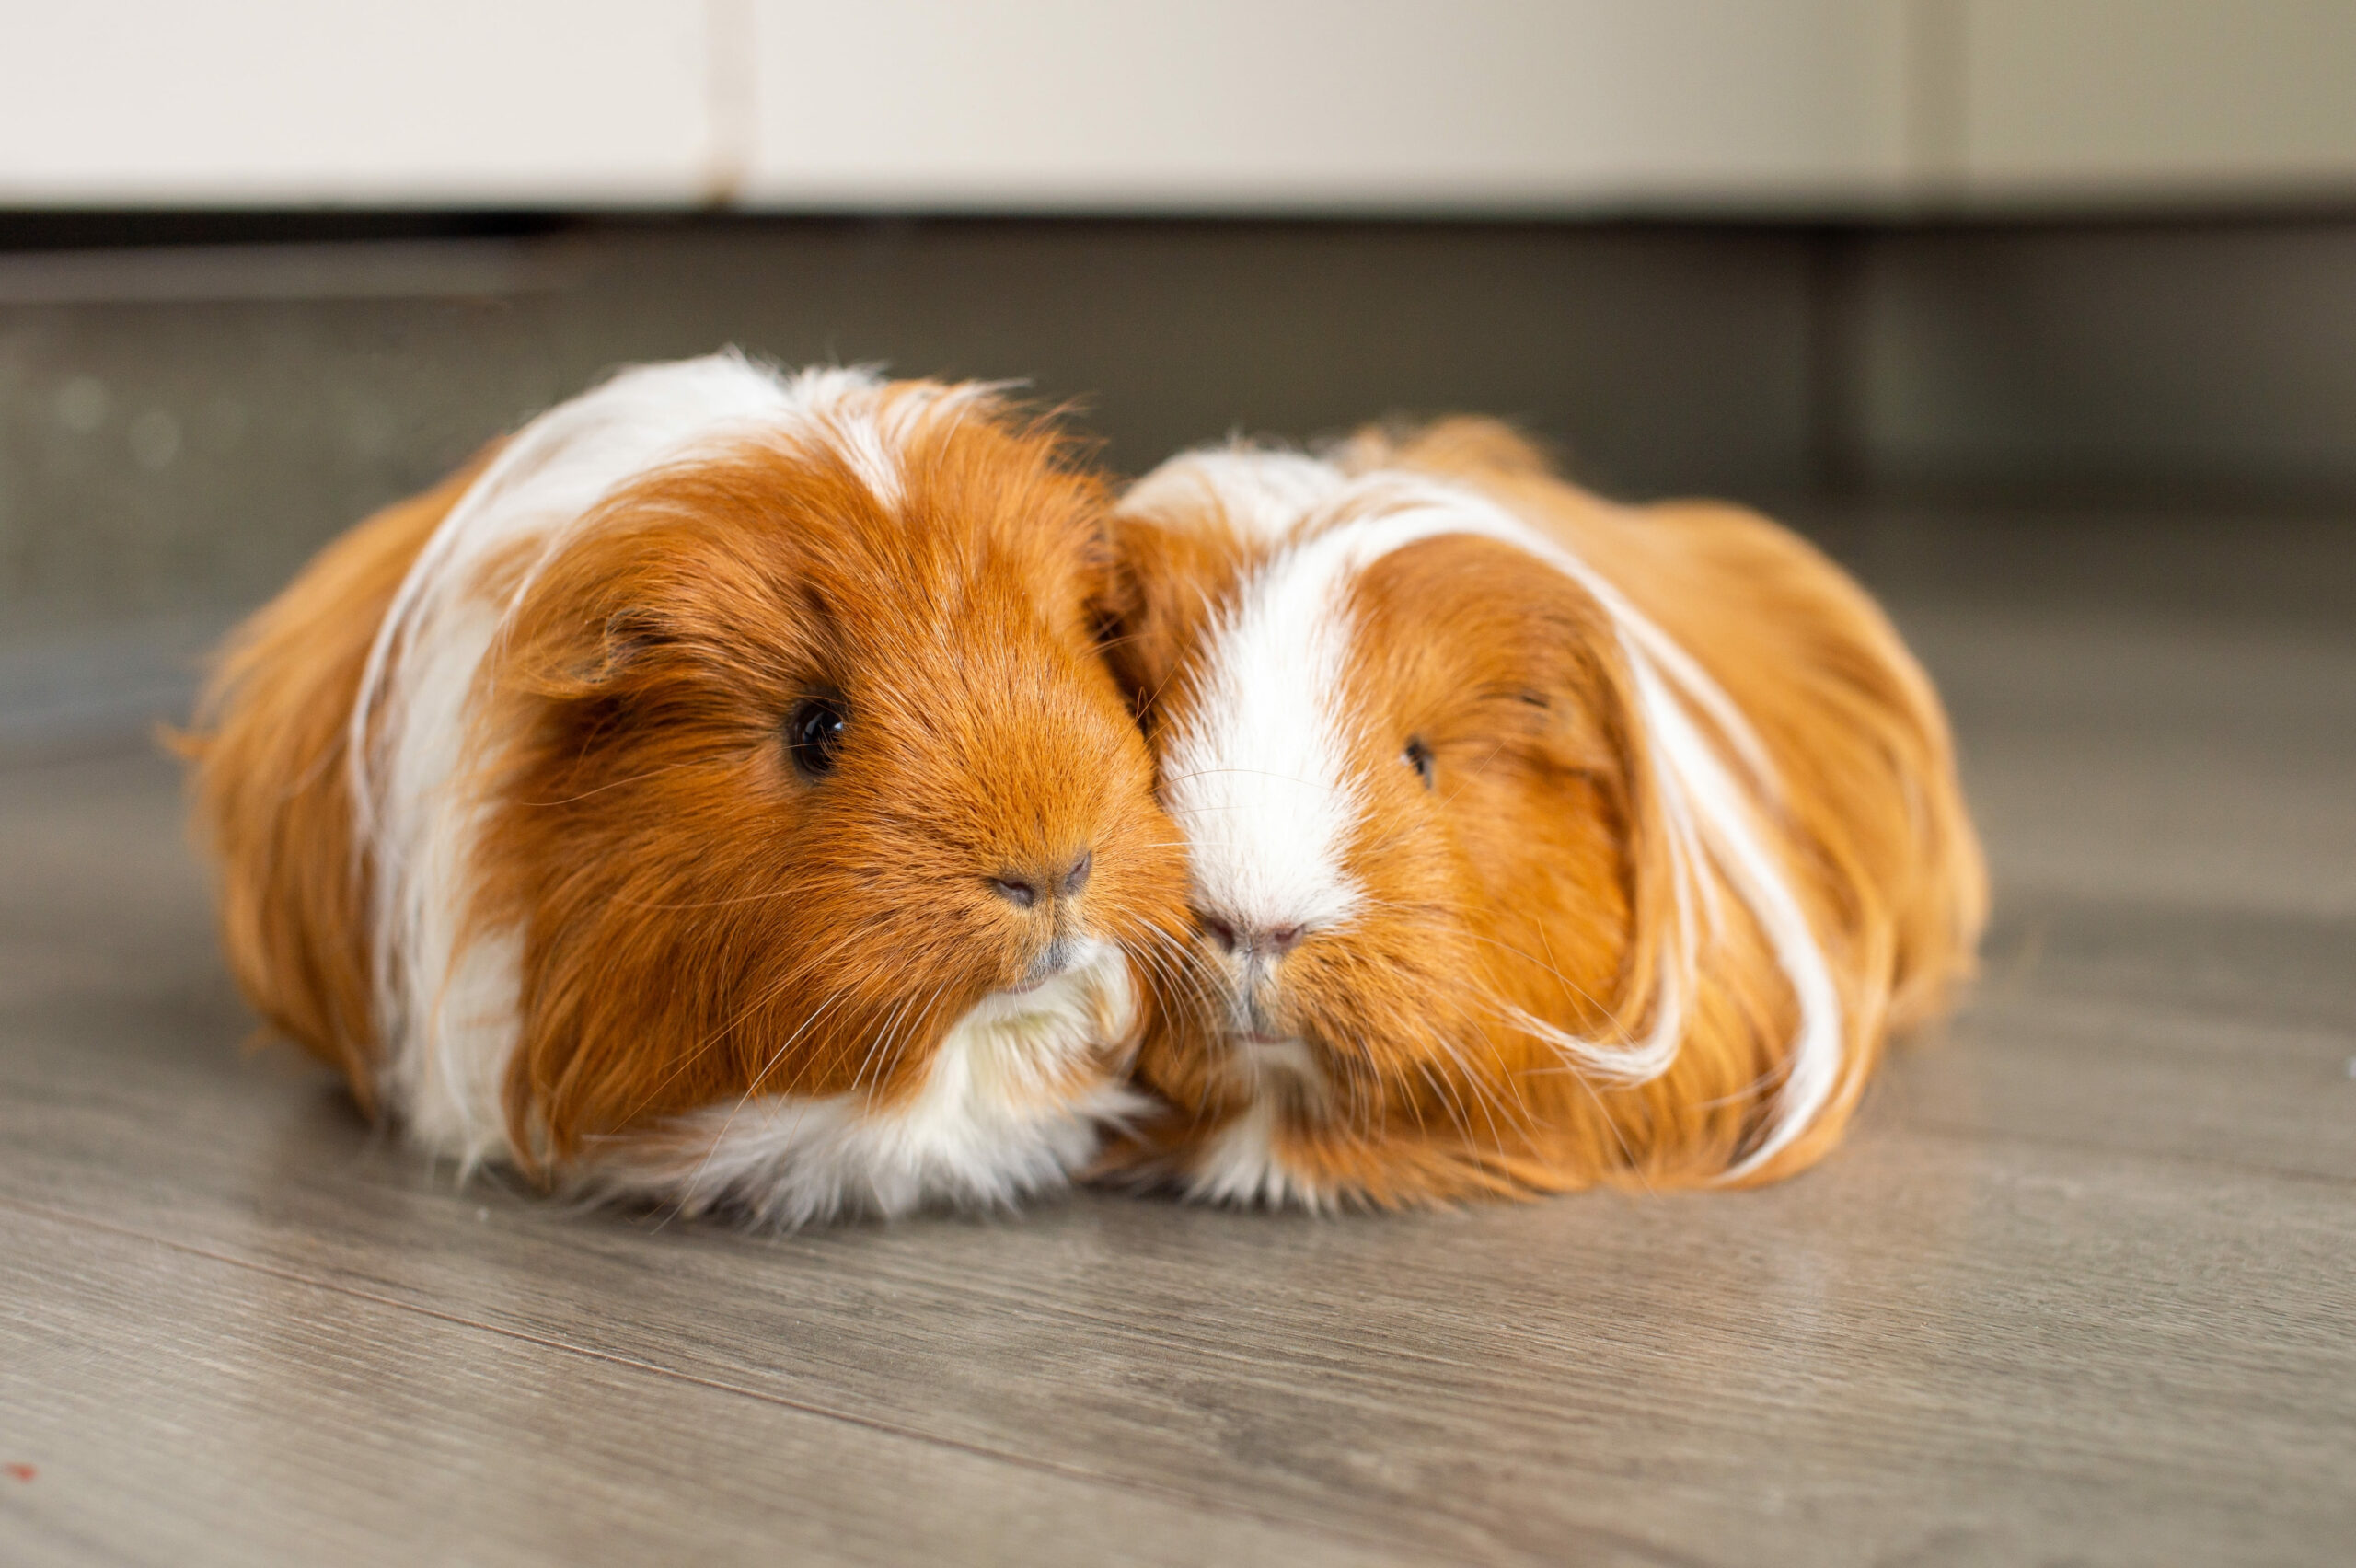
(191, 403)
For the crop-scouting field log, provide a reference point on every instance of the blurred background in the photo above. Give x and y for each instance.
(1986, 294)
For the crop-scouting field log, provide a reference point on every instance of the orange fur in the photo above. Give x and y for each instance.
(1534, 873)
(701, 925)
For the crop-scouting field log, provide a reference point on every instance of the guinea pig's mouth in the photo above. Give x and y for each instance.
(1071, 985)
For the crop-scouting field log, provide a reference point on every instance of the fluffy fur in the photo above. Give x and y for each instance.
(1536, 841)
(510, 829)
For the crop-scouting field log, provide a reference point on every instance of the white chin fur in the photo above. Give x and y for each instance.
(1241, 1167)
(988, 1126)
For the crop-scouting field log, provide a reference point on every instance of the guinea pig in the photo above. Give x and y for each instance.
(1536, 842)
(713, 796)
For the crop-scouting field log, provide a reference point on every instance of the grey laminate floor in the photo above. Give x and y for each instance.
(2081, 1288)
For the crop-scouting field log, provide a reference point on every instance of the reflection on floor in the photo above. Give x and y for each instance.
(2079, 1288)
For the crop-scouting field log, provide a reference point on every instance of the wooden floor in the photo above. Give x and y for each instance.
(2081, 1288)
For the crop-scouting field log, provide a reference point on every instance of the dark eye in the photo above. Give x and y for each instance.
(1418, 756)
(813, 734)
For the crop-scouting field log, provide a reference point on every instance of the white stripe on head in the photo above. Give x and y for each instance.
(1258, 771)
(1258, 775)
(829, 395)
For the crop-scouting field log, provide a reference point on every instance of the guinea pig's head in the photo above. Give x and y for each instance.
(1426, 862)
(821, 842)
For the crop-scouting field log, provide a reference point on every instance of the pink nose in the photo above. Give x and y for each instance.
(1239, 937)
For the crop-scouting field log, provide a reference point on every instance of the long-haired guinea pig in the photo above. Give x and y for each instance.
(713, 794)
(1536, 841)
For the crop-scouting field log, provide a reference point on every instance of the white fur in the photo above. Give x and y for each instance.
(1260, 782)
(447, 1011)
(987, 1128)
(1261, 494)
(1269, 717)
(1239, 1166)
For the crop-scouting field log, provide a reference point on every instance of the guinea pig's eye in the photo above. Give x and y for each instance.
(813, 734)
(1418, 756)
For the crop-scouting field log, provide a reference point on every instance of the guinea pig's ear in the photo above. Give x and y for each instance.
(1582, 724)
(1152, 602)
(593, 652)
(621, 645)
(574, 645)
(1529, 660)
(1580, 673)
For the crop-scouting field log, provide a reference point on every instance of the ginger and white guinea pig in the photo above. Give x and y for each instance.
(1536, 842)
(713, 795)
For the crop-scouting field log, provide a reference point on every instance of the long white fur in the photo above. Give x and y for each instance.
(1267, 736)
(448, 1018)
(449, 1012)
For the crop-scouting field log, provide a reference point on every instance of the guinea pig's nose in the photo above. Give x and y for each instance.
(1023, 888)
(1018, 890)
(1247, 939)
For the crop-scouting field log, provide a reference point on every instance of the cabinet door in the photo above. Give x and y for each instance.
(428, 103)
(2132, 101)
(1335, 105)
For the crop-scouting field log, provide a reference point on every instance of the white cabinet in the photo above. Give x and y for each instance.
(267, 102)
(1373, 105)
(1541, 107)
(2110, 100)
